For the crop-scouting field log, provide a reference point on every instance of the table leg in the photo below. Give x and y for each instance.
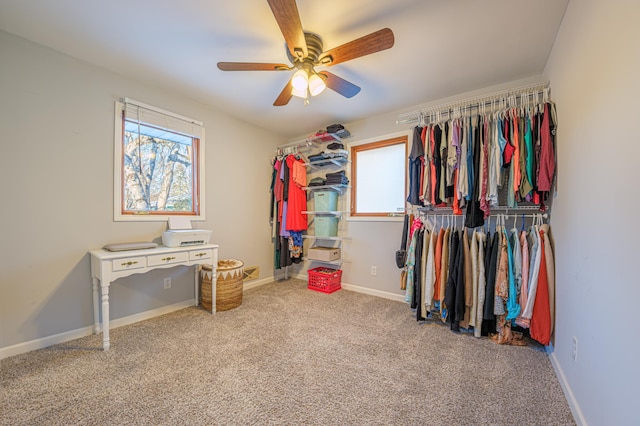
(196, 281)
(96, 307)
(105, 315)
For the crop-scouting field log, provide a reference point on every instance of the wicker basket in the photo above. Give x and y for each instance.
(205, 287)
(229, 285)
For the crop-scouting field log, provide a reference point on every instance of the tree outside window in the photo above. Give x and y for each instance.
(159, 168)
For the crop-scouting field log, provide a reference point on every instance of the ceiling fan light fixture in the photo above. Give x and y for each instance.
(299, 93)
(300, 80)
(316, 84)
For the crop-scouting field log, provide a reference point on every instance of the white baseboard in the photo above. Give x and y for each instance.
(256, 283)
(150, 314)
(568, 393)
(44, 342)
(359, 289)
(304, 276)
(373, 292)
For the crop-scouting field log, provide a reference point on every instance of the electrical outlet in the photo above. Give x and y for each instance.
(374, 270)
(574, 349)
(167, 283)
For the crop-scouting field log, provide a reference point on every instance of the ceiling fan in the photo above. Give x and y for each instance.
(305, 52)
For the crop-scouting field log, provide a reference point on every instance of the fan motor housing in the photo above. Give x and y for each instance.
(314, 49)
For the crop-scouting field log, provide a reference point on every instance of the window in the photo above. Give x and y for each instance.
(378, 177)
(158, 164)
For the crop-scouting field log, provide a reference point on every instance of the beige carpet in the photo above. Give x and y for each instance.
(287, 355)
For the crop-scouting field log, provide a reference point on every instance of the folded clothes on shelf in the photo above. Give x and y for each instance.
(339, 173)
(337, 178)
(317, 181)
(325, 155)
(316, 157)
(332, 153)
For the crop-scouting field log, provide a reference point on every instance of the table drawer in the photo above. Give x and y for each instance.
(129, 263)
(200, 254)
(166, 259)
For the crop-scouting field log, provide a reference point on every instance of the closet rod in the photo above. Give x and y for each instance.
(290, 149)
(446, 210)
(512, 214)
(299, 144)
(504, 215)
(475, 102)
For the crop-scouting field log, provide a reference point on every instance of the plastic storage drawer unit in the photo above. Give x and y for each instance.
(326, 226)
(325, 201)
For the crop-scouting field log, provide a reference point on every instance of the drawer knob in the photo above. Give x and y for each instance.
(129, 263)
(166, 259)
(201, 254)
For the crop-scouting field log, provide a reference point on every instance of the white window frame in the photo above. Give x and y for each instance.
(395, 217)
(117, 168)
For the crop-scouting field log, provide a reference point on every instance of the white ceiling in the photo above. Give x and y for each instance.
(442, 48)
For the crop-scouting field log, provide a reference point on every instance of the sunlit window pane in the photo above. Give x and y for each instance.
(379, 169)
(158, 170)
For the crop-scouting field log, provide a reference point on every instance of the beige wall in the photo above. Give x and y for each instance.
(57, 116)
(594, 68)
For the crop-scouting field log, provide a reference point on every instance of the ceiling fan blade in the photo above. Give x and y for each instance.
(285, 96)
(288, 19)
(374, 42)
(340, 85)
(251, 66)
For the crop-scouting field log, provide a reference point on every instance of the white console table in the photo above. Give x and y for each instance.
(108, 266)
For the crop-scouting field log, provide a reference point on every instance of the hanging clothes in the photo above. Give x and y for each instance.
(452, 280)
(430, 273)
(514, 292)
(437, 164)
(297, 197)
(415, 167)
(438, 268)
(444, 273)
(541, 316)
(489, 300)
(467, 288)
(501, 159)
(474, 279)
(475, 216)
(524, 292)
(484, 169)
(550, 264)
(417, 272)
(534, 270)
(427, 181)
(415, 225)
(481, 285)
(546, 169)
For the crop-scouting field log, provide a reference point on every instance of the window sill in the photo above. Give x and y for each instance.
(395, 218)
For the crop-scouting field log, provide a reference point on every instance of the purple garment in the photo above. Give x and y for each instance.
(283, 224)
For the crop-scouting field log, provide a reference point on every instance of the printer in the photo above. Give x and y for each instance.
(180, 233)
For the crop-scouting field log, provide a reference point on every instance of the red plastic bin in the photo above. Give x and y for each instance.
(325, 280)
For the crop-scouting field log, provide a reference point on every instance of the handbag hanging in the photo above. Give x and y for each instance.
(401, 255)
